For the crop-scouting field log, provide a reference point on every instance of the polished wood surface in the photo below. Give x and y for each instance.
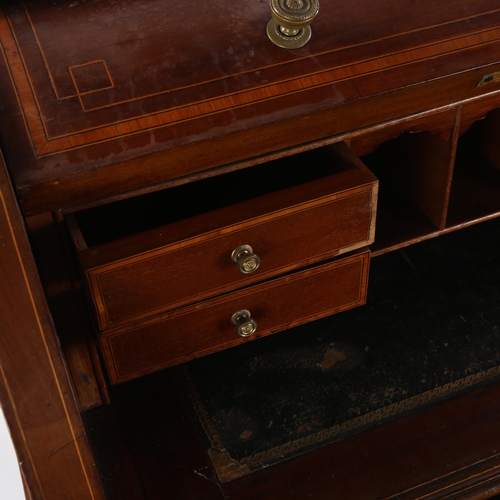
(206, 327)
(111, 97)
(52, 247)
(36, 393)
(105, 101)
(190, 259)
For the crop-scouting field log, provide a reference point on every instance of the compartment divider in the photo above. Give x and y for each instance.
(475, 194)
(489, 137)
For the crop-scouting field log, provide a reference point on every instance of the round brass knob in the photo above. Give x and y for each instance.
(247, 261)
(289, 27)
(245, 325)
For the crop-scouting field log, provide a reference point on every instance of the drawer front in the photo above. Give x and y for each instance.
(182, 263)
(145, 285)
(207, 327)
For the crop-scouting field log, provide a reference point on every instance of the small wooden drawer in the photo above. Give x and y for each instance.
(207, 327)
(295, 211)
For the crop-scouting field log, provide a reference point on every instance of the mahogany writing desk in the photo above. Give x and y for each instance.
(104, 105)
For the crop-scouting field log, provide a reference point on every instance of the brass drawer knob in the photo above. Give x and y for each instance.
(247, 261)
(289, 27)
(245, 325)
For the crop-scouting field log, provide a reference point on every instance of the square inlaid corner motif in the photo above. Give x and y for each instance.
(91, 77)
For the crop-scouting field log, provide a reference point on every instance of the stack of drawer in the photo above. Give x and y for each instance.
(216, 271)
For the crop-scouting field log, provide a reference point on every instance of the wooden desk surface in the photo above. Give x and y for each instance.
(155, 91)
(103, 99)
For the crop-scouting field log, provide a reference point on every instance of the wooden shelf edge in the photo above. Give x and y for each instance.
(377, 249)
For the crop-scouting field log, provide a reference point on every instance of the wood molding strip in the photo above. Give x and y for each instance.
(40, 408)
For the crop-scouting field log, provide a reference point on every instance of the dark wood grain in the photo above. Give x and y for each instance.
(189, 260)
(105, 80)
(477, 110)
(437, 123)
(206, 327)
(435, 177)
(487, 137)
(58, 274)
(103, 101)
(35, 391)
(355, 79)
(420, 165)
(475, 193)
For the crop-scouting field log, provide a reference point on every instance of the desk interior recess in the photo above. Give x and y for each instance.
(437, 173)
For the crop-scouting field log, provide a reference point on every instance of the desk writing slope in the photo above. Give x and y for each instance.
(101, 83)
